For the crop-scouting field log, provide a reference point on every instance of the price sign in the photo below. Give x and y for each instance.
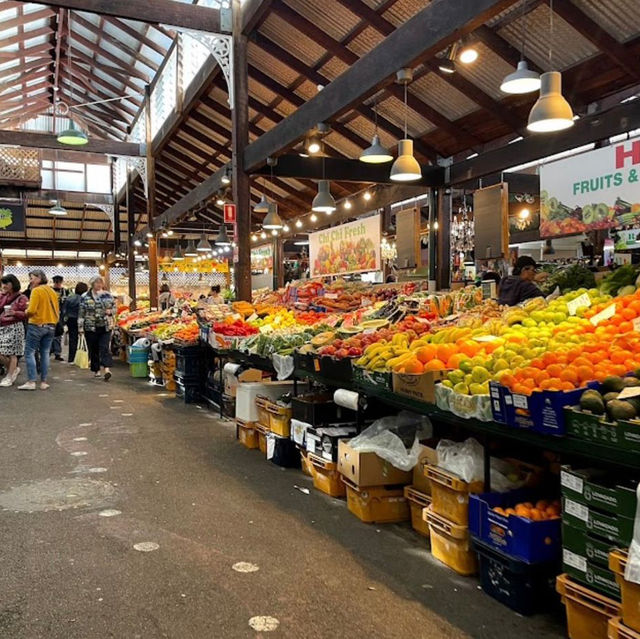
(579, 302)
(630, 391)
(636, 324)
(608, 312)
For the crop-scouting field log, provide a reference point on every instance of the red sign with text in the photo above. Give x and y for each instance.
(229, 213)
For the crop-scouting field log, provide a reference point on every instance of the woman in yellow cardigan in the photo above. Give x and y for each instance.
(43, 314)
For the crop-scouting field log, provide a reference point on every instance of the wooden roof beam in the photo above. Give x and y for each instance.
(596, 34)
(28, 52)
(438, 24)
(141, 37)
(168, 12)
(254, 13)
(49, 141)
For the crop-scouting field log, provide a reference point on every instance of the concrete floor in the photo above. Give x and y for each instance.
(179, 478)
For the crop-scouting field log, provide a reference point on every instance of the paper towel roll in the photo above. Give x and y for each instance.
(156, 347)
(346, 399)
(230, 368)
(143, 342)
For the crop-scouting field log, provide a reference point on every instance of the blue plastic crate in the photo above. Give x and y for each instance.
(524, 539)
(541, 412)
(525, 588)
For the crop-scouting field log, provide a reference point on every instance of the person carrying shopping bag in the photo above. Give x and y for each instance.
(71, 313)
(96, 321)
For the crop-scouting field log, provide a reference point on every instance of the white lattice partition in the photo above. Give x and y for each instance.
(221, 48)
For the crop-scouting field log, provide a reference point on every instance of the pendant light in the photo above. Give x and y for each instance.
(406, 168)
(523, 79)
(177, 254)
(71, 136)
(203, 245)
(222, 239)
(551, 112)
(191, 251)
(376, 153)
(272, 219)
(447, 64)
(57, 209)
(323, 202)
(263, 205)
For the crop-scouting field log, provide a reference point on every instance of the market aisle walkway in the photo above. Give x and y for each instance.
(180, 480)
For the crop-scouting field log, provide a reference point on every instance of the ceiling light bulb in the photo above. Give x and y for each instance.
(468, 55)
(522, 80)
(169, 232)
(347, 204)
(314, 217)
(222, 238)
(406, 168)
(313, 146)
(551, 112)
(524, 214)
(367, 196)
(274, 232)
(137, 243)
(323, 202)
(263, 235)
(286, 228)
(298, 224)
(220, 201)
(254, 238)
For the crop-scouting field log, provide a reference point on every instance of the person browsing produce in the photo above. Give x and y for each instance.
(13, 306)
(96, 321)
(520, 286)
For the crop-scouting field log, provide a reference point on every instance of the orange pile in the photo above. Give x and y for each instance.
(542, 511)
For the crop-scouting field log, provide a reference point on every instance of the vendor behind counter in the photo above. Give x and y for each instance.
(521, 285)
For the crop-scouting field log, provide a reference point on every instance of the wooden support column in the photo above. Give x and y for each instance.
(433, 238)
(278, 263)
(240, 135)
(131, 258)
(151, 203)
(443, 264)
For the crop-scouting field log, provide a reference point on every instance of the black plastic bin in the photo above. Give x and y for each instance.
(525, 588)
(285, 451)
(190, 360)
(315, 409)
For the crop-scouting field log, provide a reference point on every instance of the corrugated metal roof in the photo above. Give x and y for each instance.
(277, 69)
(300, 45)
(444, 98)
(569, 47)
(487, 72)
(393, 110)
(365, 41)
(333, 68)
(404, 10)
(330, 16)
(366, 129)
(618, 17)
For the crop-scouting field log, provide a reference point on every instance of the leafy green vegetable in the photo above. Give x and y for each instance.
(624, 276)
(570, 278)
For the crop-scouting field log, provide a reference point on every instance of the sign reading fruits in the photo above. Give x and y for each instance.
(348, 248)
(595, 190)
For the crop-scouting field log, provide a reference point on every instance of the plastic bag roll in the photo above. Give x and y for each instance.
(143, 342)
(346, 399)
(230, 368)
(156, 347)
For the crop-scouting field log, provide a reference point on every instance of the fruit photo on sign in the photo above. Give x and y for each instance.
(345, 257)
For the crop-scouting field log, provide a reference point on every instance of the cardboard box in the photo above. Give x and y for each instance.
(612, 527)
(589, 573)
(323, 442)
(248, 391)
(367, 469)
(420, 387)
(231, 382)
(595, 488)
(420, 481)
(581, 543)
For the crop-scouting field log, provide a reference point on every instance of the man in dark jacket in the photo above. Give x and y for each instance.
(520, 286)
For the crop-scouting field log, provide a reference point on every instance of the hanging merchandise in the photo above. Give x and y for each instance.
(462, 233)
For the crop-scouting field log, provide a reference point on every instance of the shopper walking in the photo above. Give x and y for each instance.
(43, 314)
(96, 321)
(63, 294)
(165, 299)
(70, 317)
(13, 306)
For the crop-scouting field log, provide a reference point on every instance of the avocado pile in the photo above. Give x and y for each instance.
(606, 402)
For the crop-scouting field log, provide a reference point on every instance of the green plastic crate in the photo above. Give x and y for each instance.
(139, 369)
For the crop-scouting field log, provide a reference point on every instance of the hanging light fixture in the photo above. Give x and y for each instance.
(551, 112)
(262, 206)
(468, 54)
(226, 176)
(71, 136)
(406, 168)
(254, 238)
(285, 228)
(263, 235)
(523, 79)
(367, 196)
(57, 209)
(298, 224)
(447, 64)
(203, 245)
(313, 145)
(272, 220)
(347, 204)
(177, 254)
(323, 202)
(222, 239)
(190, 251)
(220, 200)
(314, 217)
(376, 153)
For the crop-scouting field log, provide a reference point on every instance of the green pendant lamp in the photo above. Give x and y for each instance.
(57, 209)
(272, 220)
(72, 136)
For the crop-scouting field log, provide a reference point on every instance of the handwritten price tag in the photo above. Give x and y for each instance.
(636, 324)
(630, 391)
(608, 312)
(579, 302)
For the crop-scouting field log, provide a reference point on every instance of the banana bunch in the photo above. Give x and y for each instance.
(535, 304)
(515, 316)
(379, 356)
(450, 335)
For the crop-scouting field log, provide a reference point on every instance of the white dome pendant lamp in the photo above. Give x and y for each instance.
(405, 168)
(551, 112)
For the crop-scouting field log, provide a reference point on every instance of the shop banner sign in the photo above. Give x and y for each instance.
(12, 216)
(595, 190)
(348, 248)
